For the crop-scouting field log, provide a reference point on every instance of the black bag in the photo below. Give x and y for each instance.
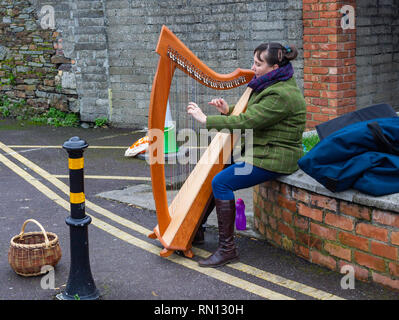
(376, 111)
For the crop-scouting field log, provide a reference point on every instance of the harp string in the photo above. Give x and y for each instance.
(183, 90)
(177, 171)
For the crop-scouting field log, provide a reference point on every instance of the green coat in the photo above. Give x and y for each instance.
(277, 116)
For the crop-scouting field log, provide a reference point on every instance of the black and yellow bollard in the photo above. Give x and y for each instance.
(80, 283)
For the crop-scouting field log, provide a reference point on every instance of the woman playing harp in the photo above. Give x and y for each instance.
(276, 112)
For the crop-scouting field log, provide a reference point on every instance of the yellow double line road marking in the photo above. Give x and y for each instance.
(64, 176)
(243, 284)
(219, 275)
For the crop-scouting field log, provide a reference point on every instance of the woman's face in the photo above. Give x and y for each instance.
(261, 67)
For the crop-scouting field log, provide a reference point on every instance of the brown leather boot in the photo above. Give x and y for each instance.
(226, 251)
(200, 235)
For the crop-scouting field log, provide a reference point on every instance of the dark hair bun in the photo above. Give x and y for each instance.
(291, 52)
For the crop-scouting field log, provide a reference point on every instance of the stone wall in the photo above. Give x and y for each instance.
(113, 43)
(223, 34)
(81, 26)
(377, 53)
(29, 62)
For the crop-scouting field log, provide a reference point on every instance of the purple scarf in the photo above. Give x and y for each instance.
(281, 74)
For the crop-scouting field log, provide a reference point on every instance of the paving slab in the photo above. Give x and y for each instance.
(141, 196)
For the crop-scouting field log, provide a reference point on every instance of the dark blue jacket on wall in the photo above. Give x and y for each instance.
(358, 156)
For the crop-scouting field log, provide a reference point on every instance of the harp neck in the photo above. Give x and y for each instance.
(171, 47)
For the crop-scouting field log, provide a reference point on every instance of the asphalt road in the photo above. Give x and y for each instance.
(125, 263)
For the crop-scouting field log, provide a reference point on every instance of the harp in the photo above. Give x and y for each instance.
(179, 221)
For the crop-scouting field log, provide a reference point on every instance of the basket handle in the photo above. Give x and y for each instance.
(41, 228)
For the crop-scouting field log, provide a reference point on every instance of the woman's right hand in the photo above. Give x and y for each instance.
(220, 104)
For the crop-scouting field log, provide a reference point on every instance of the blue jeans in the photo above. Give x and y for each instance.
(237, 176)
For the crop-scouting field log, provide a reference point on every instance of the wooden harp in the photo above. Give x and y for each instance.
(178, 223)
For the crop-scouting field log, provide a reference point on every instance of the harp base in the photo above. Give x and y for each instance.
(166, 253)
(188, 253)
(152, 235)
(167, 250)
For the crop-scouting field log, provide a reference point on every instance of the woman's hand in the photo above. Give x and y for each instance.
(220, 104)
(196, 112)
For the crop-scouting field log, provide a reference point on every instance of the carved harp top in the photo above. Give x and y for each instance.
(177, 223)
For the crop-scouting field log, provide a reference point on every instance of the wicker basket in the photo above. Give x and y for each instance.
(30, 251)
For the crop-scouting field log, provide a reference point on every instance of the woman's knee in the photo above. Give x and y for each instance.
(221, 189)
(216, 182)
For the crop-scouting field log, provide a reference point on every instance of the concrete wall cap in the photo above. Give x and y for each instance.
(302, 180)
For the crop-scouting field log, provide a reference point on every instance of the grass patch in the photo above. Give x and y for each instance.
(57, 118)
(101, 122)
(309, 142)
(21, 111)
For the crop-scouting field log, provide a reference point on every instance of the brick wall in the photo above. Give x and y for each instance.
(329, 61)
(349, 69)
(330, 232)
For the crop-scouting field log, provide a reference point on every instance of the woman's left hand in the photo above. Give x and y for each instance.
(196, 112)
